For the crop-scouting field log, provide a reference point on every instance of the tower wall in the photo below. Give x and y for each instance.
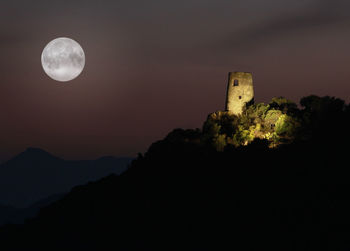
(240, 91)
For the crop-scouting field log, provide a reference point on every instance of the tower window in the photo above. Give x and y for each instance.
(235, 82)
(240, 97)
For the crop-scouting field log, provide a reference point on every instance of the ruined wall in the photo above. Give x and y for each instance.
(239, 91)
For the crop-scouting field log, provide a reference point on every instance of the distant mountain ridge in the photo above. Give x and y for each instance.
(34, 154)
(35, 174)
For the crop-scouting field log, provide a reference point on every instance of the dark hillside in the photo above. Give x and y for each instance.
(185, 195)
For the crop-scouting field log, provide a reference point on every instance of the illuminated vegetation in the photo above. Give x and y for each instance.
(276, 123)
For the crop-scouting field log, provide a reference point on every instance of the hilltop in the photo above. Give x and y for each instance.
(186, 193)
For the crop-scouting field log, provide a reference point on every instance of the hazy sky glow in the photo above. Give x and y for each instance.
(156, 65)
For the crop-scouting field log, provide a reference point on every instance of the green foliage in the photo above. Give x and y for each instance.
(257, 111)
(321, 116)
(220, 142)
(279, 122)
(276, 122)
(272, 117)
(287, 127)
(216, 128)
(284, 105)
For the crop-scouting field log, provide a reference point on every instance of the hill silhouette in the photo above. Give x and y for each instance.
(13, 215)
(186, 194)
(35, 174)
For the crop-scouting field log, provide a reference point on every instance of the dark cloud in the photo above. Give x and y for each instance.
(322, 14)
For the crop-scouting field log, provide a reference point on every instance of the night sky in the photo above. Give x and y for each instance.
(152, 66)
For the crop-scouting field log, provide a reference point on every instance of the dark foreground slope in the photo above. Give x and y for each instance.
(13, 215)
(184, 195)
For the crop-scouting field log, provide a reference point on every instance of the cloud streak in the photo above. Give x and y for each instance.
(323, 14)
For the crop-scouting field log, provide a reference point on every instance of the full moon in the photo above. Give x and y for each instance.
(63, 59)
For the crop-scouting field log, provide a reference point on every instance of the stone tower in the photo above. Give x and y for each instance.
(240, 91)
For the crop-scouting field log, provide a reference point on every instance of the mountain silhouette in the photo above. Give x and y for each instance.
(36, 174)
(36, 155)
(183, 194)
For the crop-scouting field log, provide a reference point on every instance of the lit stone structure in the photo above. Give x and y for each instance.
(240, 92)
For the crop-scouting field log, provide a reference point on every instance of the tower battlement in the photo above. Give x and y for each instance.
(240, 91)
